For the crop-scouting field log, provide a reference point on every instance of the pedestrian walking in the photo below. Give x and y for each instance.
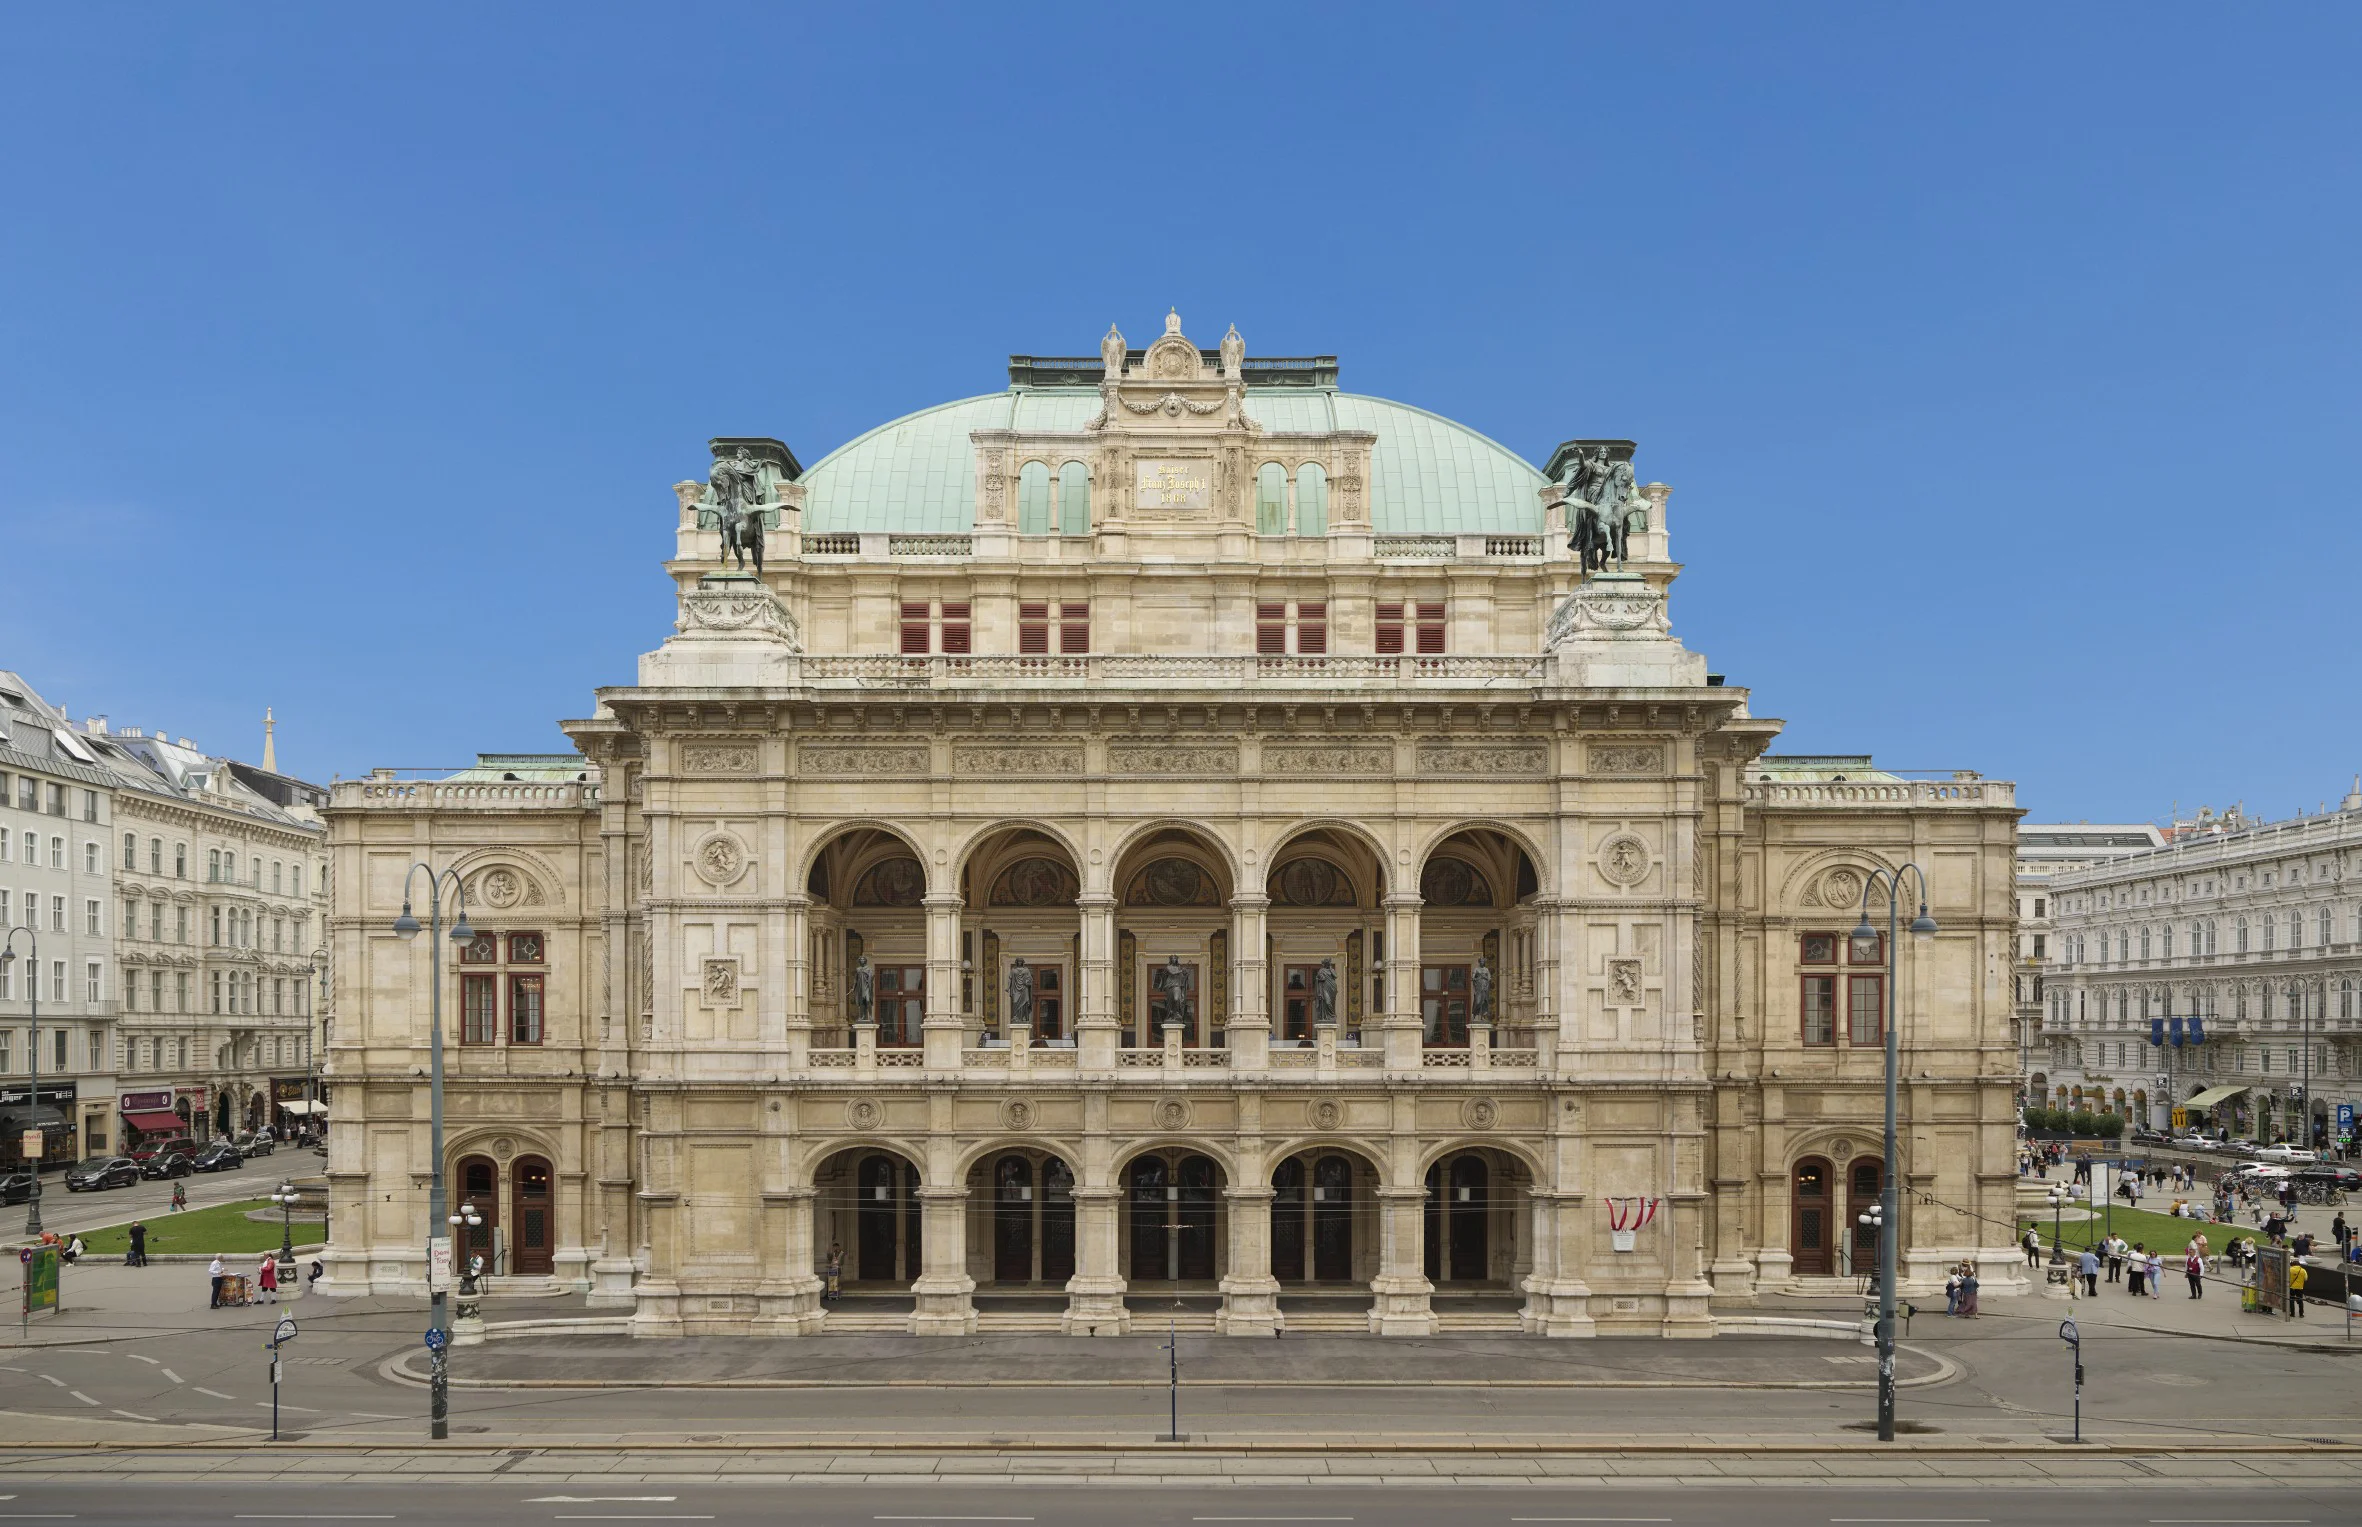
(180, 1197)
(2296, 1289)
(2033, 1245)
(2194, 1268)
(2088, 1269)
(2340, 1231)
(137, 1256)
(217, 1271)
(2136, 1269)
(1952, 1293)
(2156, 1276)
(266, 1277)
(832, 1273)
(1968, 1290)
(2115, 1245)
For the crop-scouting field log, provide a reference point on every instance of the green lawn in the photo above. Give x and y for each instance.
(199, 1232)
(2162, 1233)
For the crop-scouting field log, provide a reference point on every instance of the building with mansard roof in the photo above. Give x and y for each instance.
(1170, 829)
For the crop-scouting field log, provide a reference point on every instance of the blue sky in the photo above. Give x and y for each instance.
(2002, 359)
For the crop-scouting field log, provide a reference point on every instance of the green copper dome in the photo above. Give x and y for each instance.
(1428, 476)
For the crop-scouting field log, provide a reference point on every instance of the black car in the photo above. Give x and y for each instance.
(100, 1172)
(172, 1158)
(2341, 1177)
(16, 1187)
(220, 1156)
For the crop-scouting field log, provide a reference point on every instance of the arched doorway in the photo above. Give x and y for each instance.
(1032, 1199)
(1173, 957)
(867, 888)
(1326, 886)
(478, 1179)
(1475, 892)
(1863, 1180)
(1172, 1217)
(887, 1244)
(1315, 1199)
(1459, 1220)
(532, 1250)
(1018, 889)
(1813, 1206)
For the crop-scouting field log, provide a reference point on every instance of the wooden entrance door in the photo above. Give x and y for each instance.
(1057, 1221)
(1332, 1220)
(886, 1221)
(901, 1003)
(1172, 1219)
(1289, 1207)
(1049, 1002)
(1295, 1000)
(1467, 1208)
(1443, 1004)
(531, 1251)
(1012, 1220)
(1814, 1207)
(479, 1184)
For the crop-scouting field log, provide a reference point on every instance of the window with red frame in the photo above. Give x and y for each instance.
(479, 1009)
(1865, 1012)
(1074, 626)
(524, 1010)
(955, 628)
(1033, 628)
(1312, 627)
(914, 626)
(1861, 985)
(1410, 627)
(1271, 629)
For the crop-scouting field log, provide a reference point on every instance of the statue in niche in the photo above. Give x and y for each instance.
(1480, 989)
(865, 994)
(1324, 993)
(1170, 981)
(737, 487)
(1020, 992)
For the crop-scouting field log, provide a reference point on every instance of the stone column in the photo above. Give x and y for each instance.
(1403, 1038)
(1399, 1303)
(796, 978)
(1095, 1032)
(1557, 1300)
(1250, 1294)
(943, 1030)
(944, 1286)
(1095, 1294)
(788, 1303)
(1250, 984)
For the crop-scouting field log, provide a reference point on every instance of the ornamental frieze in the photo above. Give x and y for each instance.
(1016, 758)
(731, 755)
(1327, 756)
(858, 759)
(1148, 756)
(1627, 758)
(1511, 755)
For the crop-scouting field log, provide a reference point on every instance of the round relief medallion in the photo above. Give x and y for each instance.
(1172, 1113)
(865, 1113)
(1842, 1146)
(1326, 1114)
(1017, 1114)
(1623, 859)
(504, 1147)
(1841, 888)
(720, 859)
(1480, 1113)
(501, 888)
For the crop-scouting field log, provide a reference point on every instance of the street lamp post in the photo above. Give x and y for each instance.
(1890, 1206)
(317, 964)
(32, 994)
(2304, 1089)
(2058, 1200)
(285, 1199)
(439, 1323)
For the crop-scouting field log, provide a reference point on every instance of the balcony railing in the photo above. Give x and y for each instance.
(1006, 670)
(1886, 795)
(489, 795)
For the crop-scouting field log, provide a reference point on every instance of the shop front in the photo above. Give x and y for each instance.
(295, 1112)
(149, 1117)
(53, 1113)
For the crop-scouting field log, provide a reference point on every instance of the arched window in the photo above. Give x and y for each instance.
(1271, 499)
(131, 851)
(1033, 499)
(2239, 935)
(1074, 499)
(1312, 500)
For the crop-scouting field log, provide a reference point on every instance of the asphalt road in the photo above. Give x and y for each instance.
(63, 1211)
(509, 1503)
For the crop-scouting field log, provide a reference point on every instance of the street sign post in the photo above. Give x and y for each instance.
(2074, 1341)
(284, 1332)
(40, 1264)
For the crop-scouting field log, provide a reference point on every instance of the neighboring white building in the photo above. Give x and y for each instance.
(2045, 849)
(57, 895)
(221, 904)
(2219, 972)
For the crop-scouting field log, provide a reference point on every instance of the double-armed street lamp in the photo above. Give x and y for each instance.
(285, 1198)
(33, 1094)
(463, 1225)
(1890, 1208)
(438, 1334)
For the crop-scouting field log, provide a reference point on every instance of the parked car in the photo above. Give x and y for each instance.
(2344, 1178)
(2198, 1143)
(220, 1156)
(16, 1187)
(101, 1172)
(256, 1144)
(165, 1158)
(2286, 1154)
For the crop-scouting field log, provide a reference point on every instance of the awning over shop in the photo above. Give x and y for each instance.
(149, 1121)
(2212, 1096)
(303, 1105)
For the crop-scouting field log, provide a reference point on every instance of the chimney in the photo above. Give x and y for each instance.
(2353, 800)
(184, 742)
(270, 749)
(96, 726)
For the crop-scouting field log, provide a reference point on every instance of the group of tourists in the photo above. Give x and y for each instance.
(1960, 1291)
